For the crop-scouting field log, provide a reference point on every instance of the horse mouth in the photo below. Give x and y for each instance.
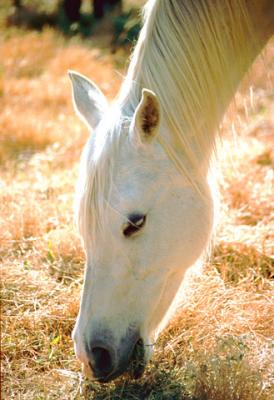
(137, 364)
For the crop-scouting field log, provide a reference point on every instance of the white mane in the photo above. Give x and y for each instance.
(186, 55)
(95, 177)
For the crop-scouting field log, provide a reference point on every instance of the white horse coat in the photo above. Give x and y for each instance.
(145, 207)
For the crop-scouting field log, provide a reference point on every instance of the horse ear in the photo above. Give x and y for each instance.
(146, 119)
(89, 101)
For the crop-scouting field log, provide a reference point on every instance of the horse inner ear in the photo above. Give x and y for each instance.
(147, 116)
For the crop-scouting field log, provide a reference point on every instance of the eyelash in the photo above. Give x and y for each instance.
(134, 225)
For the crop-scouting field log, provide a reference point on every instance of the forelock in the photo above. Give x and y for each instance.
(98, 164)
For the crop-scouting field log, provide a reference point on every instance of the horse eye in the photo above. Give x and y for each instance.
(135, 224)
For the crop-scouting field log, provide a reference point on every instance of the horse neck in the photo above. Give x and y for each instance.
(193, 55)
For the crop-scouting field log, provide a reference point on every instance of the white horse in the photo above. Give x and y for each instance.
(144, 203)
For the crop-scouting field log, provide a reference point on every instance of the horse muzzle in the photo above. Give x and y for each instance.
(107, 362)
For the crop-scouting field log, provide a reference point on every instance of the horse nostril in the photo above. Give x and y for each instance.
(101, 360)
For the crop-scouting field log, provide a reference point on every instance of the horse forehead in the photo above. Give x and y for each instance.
(140, 163)
(130, 189)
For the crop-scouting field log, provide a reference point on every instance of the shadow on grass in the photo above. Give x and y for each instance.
(123, 26)
(21, 150)
(159, 385)
(237, 261)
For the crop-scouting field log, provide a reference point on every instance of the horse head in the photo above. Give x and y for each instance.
(142, 223)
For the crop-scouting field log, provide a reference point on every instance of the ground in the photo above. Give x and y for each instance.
(218, 346)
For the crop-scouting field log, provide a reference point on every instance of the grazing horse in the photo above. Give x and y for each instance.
(144, 204)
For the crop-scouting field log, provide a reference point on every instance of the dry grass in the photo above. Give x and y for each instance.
(219, 345)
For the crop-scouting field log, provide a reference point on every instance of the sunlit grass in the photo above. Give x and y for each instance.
(218, 346)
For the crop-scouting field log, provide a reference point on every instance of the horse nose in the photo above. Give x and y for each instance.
(101, 359)
(108, 359)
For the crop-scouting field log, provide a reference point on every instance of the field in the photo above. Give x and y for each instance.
(218, 347)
